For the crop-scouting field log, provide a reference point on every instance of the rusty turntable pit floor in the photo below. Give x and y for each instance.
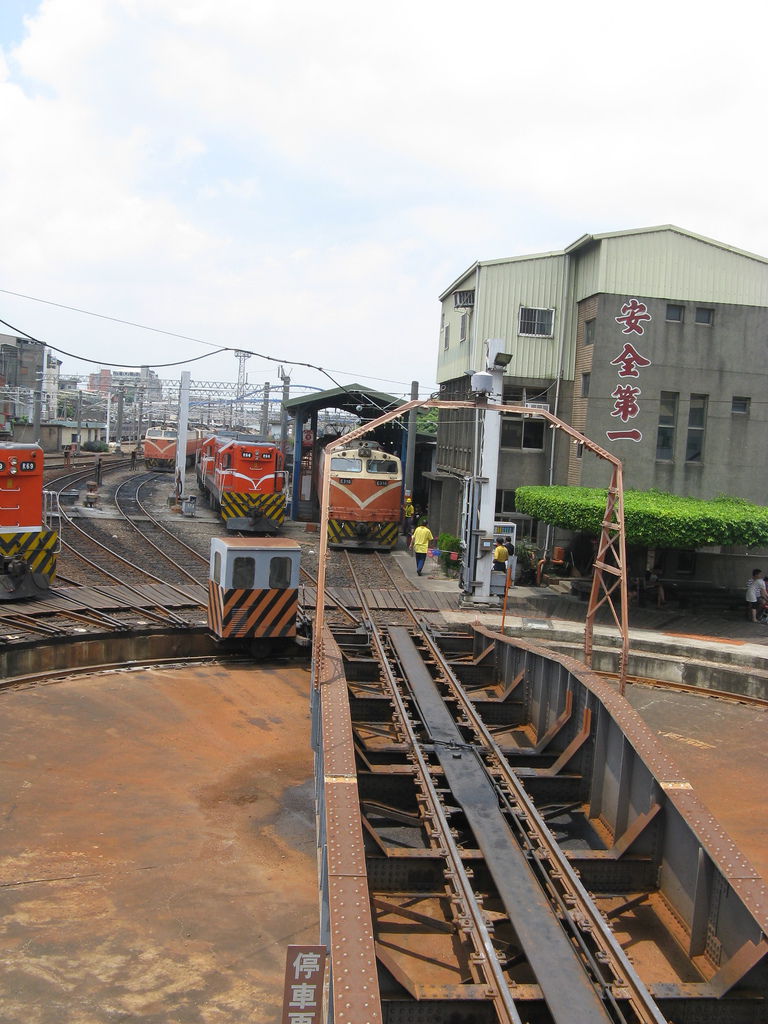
(158, 845)
(720, 745)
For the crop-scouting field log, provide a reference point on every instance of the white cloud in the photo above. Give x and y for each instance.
(309, 177)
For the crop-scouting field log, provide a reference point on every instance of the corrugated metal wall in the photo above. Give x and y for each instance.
(658, 263)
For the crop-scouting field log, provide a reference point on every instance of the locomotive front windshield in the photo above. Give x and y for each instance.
(381, 466)
(342, 465)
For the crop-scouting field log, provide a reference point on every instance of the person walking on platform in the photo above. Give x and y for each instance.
(422, 535)
(755, 593)
(133, 459)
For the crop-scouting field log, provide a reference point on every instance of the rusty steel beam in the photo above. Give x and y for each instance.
(354, 991)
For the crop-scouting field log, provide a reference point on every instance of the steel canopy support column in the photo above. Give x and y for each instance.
(609, 577)
(181, 436)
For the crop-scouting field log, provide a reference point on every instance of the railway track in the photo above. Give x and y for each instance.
(107, 555)
(115, 577)
(495, 891)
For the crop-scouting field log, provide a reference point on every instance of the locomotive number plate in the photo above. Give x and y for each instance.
(266, 455)
(2, 467)
(345, 479)
(247, 455)
(382, 483)
(27, 465)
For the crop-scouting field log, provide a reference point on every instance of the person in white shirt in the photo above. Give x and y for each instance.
(756, 593)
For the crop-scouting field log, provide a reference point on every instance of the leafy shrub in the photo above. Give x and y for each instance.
(447, 543)
(651, 518)
(94, 446)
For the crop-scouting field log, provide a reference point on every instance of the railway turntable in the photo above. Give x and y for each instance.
(503, 839)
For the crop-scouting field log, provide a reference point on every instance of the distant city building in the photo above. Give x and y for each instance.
(649, 341)
(25, 368)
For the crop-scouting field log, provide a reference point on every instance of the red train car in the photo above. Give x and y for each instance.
(28, 544)
(244, 481)
(364, 498)
(160, 447)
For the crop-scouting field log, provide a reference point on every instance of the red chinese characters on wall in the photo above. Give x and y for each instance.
(630, 361)
(633, 313)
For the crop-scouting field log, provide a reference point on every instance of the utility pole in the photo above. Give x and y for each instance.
(36, 408)
(119, 428)
(410, 450)
(488, 386)
(285, 378)
(79, 419)
(140, 416)
(265, 413)
(242, 384)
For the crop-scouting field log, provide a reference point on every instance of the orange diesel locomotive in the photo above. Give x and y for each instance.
(244, 481)
(160, 448)
(364, 499)
(28, 544)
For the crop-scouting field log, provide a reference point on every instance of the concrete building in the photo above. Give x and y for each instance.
(653, 342)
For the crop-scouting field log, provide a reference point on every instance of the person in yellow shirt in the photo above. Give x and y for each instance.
(409, 515)
(422, 535)
(500, 556)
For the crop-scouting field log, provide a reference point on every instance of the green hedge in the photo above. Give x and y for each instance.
(651, 518)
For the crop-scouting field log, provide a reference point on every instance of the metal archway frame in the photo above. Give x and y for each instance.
(609, 578)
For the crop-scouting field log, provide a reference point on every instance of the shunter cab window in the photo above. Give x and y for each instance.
(217, 567)
(346, 465)
(279, 573)
(381, 466)
(243, 573)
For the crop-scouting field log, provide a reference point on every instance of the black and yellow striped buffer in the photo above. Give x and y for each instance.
(241, 505)
(38, 548)
(341, 531)
(259, 613)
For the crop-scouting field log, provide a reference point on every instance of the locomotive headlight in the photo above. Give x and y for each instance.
(13, 470)
(14, 460)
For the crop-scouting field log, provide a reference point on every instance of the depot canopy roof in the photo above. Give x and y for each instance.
(353, 398)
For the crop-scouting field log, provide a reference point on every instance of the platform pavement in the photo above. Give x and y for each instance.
(535, 610)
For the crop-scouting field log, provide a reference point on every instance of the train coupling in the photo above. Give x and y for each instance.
(18, 581)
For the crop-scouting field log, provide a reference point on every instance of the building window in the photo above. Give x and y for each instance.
(697, 418)
(705, 316)
(505, 503)
(464, 299)
(675, 313)
(665, 435)
(589, 332)
(585, 385)
(740, 405)
(464, 327)
(579, 450)
(520, 432)
(446, 336)
(536, 322)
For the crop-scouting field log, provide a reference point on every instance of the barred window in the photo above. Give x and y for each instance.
(537, 322)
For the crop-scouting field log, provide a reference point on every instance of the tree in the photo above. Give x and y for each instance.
(651, 518)
(426, 421)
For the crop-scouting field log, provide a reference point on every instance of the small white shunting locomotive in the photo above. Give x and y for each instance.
(253, 594)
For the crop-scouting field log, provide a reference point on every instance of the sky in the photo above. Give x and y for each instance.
(302, 180)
